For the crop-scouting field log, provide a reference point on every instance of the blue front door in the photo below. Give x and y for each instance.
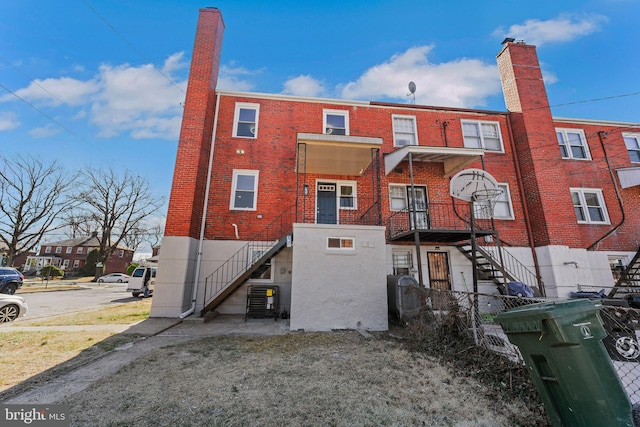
(327, 208)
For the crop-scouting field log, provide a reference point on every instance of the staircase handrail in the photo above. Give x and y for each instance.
(512, 267)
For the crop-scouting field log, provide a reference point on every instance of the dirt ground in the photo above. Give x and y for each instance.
(311, 379)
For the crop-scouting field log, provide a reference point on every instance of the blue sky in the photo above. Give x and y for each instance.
(100, 83)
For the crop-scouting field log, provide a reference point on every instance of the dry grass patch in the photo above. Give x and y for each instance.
(118, 314)
(332, 379)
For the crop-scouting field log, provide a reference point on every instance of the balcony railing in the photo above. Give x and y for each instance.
(445, 217)
(348, 211)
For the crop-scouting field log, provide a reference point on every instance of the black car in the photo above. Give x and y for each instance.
(10, 280)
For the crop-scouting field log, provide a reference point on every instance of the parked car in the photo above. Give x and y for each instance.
(114, 278)
(11, 307)
(10, 280)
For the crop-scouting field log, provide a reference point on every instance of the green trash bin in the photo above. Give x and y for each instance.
(561, 343)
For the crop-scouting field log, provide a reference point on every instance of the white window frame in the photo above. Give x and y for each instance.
(58, 249)
(481, 136)
(65, 264)
(79, 250)
(354, 196)
(343, 243)
(121, 253)
(585, 209)
(399, 132)
(394, 253)
(343, 113)
(69, 249)
(503, 199)
(236, 118)
(635, 137)
(404, 196)
(76, 263)
(567, 147)
(234, 184)
(47, 249)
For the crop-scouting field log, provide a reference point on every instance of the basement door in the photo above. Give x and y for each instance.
(327, 208)
(439, 278)
(421, 207)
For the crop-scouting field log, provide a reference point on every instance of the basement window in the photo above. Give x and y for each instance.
(346, 243)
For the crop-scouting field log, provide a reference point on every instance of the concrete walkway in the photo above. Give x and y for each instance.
(156, 333)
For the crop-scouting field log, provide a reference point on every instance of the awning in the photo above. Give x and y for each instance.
(336, 154)
(629, 177)
(454, 159)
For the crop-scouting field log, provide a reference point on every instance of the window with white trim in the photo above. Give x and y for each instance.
(335, 122)
(480, 134)
(69, 249)
(121, 253)
(244, 190)
(245, 120)
(397, 197)
(588, 204)
(632, 141)
(573, 144)
(47, 250)
(65, 264)
(347, 195)
(76, 263)
(58, 249)
(347, 243)
(79, 250)
(402, 262)
(404, 131)
(502, 209)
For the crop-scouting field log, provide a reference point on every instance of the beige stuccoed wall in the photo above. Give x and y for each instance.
(338, 289)
(174, 281)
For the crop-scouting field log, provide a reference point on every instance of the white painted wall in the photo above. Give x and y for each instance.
(339, 289)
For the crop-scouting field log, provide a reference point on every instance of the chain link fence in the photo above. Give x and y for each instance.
(620, 321)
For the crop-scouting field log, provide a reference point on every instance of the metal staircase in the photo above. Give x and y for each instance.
(630, 277)
(496, 264)
(251, 258)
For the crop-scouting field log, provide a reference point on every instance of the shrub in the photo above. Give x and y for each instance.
(131, 268)
(51, 271)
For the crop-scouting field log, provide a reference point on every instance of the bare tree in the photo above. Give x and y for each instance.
(78, 225)
(32, 196)
(135, 237)
(118, 203)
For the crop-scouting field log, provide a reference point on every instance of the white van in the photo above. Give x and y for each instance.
(142, 275)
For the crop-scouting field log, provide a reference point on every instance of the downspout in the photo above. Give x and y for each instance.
(615, 186)
(204, 214)
(525, 208)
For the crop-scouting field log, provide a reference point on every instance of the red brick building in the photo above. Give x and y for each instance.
(71, 255)
(324, 198)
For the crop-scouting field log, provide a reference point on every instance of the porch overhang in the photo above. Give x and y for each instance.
(629, 177)
(337, 154)
(454, 159)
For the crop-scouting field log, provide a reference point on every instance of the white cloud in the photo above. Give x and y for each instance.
(564, 28)
(45, 131)
(8, 121)
(55, 92)
(459, 83)
(304, 86)
(235, 78)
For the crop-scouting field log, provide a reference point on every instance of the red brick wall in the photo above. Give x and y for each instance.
(187, 192)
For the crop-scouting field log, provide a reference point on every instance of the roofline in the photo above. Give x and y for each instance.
(595, 122)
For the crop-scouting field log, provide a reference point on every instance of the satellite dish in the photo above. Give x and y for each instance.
(467, 182)
(412, 88)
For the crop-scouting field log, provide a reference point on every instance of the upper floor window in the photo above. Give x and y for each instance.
(47, 250)
(573, 144)
(79, 250)
(589, 206)
(404, 131)
(58, 249)
(397, 197)
(336, 122)
(502, 208)
(121, 253)
(244, 190)
(69, 249)
(632, 141)
(245, 121)
(348, 195)
(478, 134)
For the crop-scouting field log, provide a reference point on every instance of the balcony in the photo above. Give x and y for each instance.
(438, 222)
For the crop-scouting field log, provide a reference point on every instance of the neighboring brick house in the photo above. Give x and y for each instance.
(17, 261)
(71, 255)
(324, 198)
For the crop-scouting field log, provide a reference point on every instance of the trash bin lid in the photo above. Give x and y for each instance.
(528, 318)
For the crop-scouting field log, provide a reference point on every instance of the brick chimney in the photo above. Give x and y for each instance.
(536, 144)
(189, 179)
